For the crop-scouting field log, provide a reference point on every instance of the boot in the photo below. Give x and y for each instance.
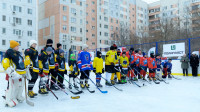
(76, 86)
(43, 91)
(86, 84)
(108, 84)
(82, 85)
(75, 83)
(53, 87)
(164, 77)
(154, 79)
(62, 86)
(98, 84)
(112, 82)
(70, 86)
(120, 82)
(150, 79)
(19, 91)
(135, 79)
(169, 76)
(30, 94)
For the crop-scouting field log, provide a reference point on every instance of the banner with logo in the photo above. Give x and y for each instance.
(173, 50)
(152, 50)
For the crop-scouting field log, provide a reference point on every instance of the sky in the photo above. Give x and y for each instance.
(150, 1)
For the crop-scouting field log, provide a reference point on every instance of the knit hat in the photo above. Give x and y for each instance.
(49, 41)
(98, 54)
(131, 49)
(58, 45)
(49, 49)
(61, 51)
(123, 52)
(13, 44)
(31, 42)
(112, 47)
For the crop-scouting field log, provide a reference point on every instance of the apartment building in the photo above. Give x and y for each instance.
(17, 22)
(63, 21)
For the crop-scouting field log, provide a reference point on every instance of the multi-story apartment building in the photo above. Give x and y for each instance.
(17, 22)
(63, 21)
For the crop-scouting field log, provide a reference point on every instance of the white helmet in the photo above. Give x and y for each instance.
(31, 42)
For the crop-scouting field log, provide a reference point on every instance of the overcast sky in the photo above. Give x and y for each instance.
(150, 1)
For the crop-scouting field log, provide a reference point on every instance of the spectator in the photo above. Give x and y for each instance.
(194, 63)
(185, 64)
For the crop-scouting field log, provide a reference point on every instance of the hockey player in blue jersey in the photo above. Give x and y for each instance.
(85, 66)
(168, 66)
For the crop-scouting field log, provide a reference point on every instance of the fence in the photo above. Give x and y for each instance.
(191, 44)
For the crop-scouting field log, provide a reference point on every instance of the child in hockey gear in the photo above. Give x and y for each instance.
(61, 68)
(143, 66)
(85, 66)
(52, 60)
(134, 64)
(168, 66)
(98, 68)
(164, 67)
(15, 71)
(152, 67)
(44, 69)
(73, 71)
(159, 67)
(59, 47)
(118, 67)
(137, 68)
(124, 63)
(31, 59)
(111, 57)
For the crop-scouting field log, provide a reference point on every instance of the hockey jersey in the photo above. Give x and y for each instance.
(168, 66)
(124, 62)
(135, 59)
(98, 64)
(111, 57)
(143, 62)
(43, 62)
(61, 63)
(152, 63)
(158, 63)
(52, 58)
(31, 58)
(84, 61)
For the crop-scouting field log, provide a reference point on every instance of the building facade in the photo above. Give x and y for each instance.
(18, 21)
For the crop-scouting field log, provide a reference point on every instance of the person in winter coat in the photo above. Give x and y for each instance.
(85, 66)
(13, 64)
(31, 61)
(73, 71)
(185, 64)
(61, 68)
(98, 68)
(194, 63)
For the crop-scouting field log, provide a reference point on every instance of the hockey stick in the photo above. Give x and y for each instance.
(91, 91)
(175, 77)
(27, 101)
(75, 97)
(51, 91)
(111, 84)
(134, 81)
(95, 84)
(75, 93)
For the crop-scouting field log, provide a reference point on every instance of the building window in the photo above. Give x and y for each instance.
(93, 27)
(3, 30)
(64, 8)
(106, 34)
(29, 1)
(30, 22)
(28, 44)
(81, 30)
(111, 28)
(64, 27)
(93, 2)
(100, 41)
(111, 20)
(64, 18)
(73, 29)
(3, 42)
(29, 33)
(93, 10)
(93, 19)
(73, 11)
(106, 42)
(73, 1)
(87, 39)
(93, 43)
(17, 9)
(3, 18)
(30, 11)
(81, 21)
(116, 21)
(106, 26)
(4, 5)
(86, 22)
(17, 32)
(73, 20)
(106, 19)
(17, 20)
(73, 47)
(93, 35)
(81, 3)
(81, 12)
(100, 33)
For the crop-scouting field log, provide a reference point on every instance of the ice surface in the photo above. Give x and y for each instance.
(178, 96)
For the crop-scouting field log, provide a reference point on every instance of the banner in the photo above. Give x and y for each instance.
(173, 50)
(152, 50)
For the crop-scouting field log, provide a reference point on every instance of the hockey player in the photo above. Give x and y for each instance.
(31, 61)
(59, 47)
(44, 69)
(152, 67)
(85, 66)
(143, 66)
(159, 67)
(61, 68)
(98, 68)
(110, 59)
(73, 71)
(168, 66)
(52, 60)
(134, 65)
(124, 63)
(13, 63)
(137, 69)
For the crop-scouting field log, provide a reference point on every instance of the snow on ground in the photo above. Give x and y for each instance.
(178, 96)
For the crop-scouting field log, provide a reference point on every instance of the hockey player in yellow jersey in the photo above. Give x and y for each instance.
(124, 63)
(13, 63)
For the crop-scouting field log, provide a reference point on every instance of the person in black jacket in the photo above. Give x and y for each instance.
(194, 63)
